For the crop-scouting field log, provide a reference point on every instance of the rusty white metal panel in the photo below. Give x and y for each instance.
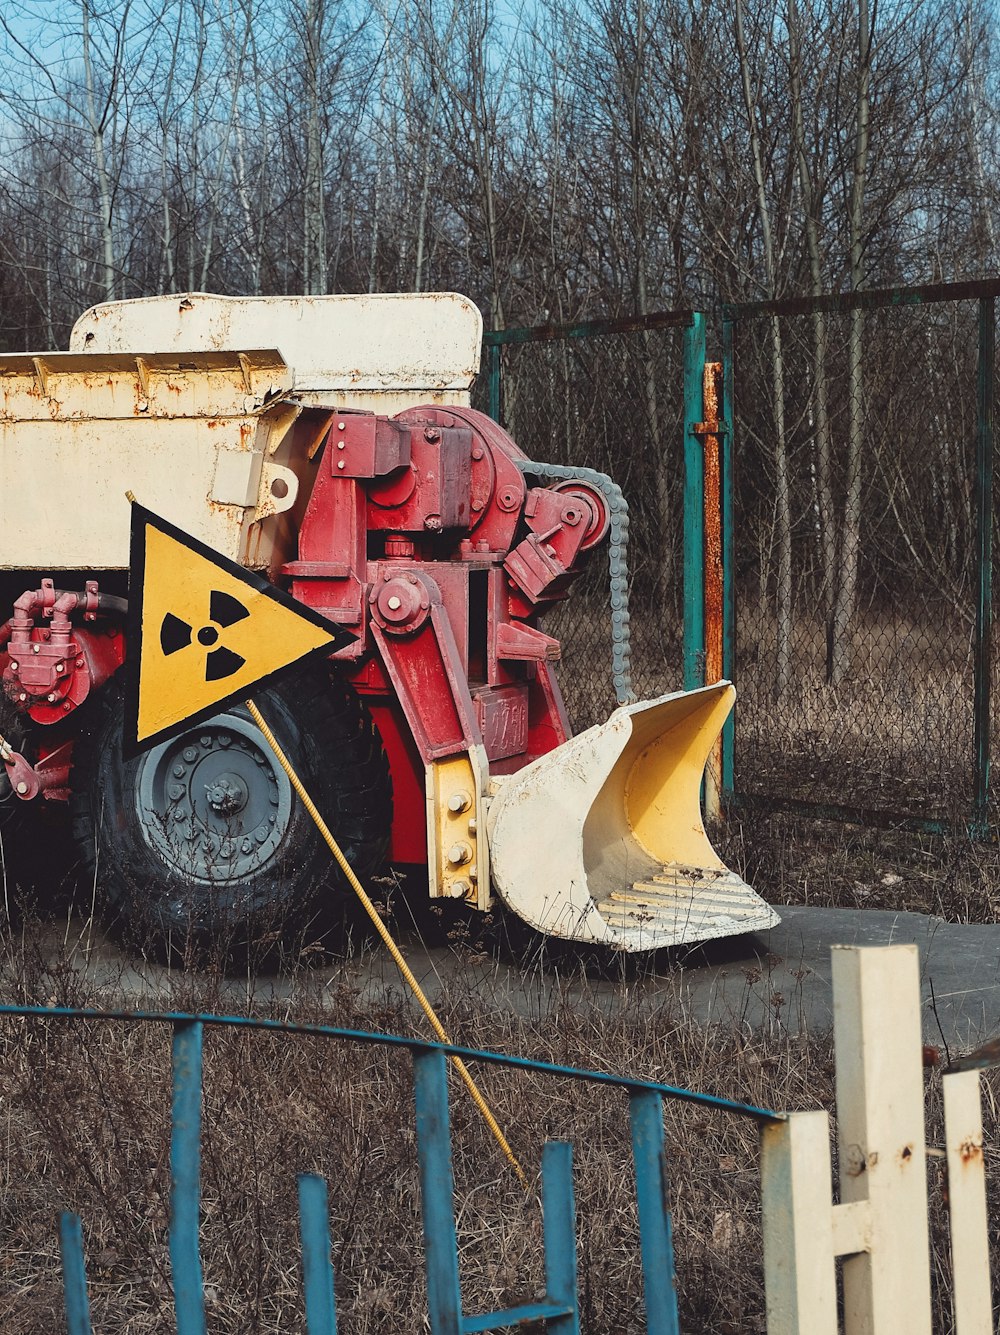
(387, 402)
(70, 386)
(800, 1280)
(65, 480)
(416, 344)
(969, 1222)
(880, 1132)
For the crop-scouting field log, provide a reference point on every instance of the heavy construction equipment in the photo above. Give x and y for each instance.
(330, 443)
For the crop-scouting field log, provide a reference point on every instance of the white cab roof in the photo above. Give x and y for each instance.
(410, 342)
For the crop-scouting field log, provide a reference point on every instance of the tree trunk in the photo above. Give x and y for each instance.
(314, 203)
(104, 193)
(823, 509)
(783, 505)
(662, 470)
(839, 656)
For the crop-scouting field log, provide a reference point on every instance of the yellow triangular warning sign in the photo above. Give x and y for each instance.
(203, 632)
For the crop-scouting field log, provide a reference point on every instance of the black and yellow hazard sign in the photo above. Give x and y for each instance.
(203, 631)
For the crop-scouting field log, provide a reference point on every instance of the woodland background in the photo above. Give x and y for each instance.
(554, 159)
(562, 160)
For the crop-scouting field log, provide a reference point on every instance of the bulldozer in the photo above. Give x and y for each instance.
(329, 443)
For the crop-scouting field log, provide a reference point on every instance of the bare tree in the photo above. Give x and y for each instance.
(782, 486)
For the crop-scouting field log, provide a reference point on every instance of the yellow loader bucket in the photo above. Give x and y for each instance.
(602, 839)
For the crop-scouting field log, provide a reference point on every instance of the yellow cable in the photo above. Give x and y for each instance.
(393, 949)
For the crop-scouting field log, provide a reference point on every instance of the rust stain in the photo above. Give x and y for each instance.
(970, 1150)
(713, 572)
(709, 432)
(854, 1161)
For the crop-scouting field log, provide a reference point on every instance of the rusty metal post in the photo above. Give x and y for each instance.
(727, 449)
(713, 592)
(694, 493)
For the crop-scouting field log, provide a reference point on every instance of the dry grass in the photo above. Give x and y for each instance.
(895, 738)
(85, 1108)
(826, 864)
(896, 734)
(85, 1127)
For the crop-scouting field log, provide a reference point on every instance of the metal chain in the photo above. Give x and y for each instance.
(621, 652)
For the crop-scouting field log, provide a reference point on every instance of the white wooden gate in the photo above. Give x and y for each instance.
(879, 1228)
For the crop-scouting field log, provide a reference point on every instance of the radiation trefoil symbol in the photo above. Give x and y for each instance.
(223, 610)
(203, 632)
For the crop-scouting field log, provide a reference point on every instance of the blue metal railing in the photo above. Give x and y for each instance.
(559, 1308)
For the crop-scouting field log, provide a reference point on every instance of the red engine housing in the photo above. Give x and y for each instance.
(423, 537)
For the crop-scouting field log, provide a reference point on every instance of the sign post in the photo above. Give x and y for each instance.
(203, 632)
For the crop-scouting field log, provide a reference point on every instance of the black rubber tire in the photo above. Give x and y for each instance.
(166, 890)
(14, 728)
(18, 842)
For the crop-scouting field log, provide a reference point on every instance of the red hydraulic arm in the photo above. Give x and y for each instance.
(423, 535)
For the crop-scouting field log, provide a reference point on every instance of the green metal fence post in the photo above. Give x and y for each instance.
(655, 1230)
(727, 431)
(694, 514)
(493, 373)
(559, 1233)
(437, 1190)
(984, 551)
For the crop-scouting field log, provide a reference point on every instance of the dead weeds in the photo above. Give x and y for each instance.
(829, 864)
(85, 1117)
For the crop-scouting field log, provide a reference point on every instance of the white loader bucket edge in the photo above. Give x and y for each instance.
(602, 840)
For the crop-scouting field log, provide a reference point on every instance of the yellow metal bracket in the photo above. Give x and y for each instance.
(458, 858)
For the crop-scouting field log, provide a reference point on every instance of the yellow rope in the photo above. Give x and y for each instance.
(391, 946)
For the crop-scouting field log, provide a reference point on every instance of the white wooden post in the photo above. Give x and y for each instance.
(796, 1186)
(880, 1133)
(970, 1251)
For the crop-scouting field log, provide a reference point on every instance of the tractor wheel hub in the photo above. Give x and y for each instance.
(227, 795)
(215, 804)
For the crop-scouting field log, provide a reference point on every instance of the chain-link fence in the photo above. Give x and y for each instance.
(857, 502)
(862, 568)
(607, 396)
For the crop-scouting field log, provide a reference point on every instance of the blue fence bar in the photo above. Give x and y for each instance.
(317, 1268)
(444, 1292)
(655, 1240)
(558, 1310)
(74, 1274)
(430, 1090)
(411, 1044)
(185, 1178)
(559, 1224)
